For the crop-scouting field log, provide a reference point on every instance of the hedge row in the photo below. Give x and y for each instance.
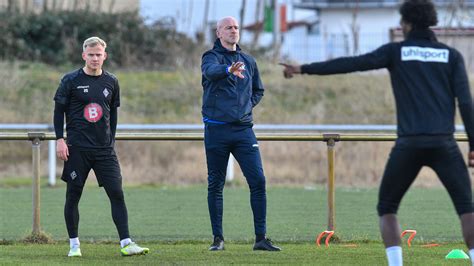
(56, 38)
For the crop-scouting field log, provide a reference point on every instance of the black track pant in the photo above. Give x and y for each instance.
(107, 170)
(405, 161)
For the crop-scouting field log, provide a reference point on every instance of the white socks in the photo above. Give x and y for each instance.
(74, 242)
(124, 242)
(471, 254)
(394, 256)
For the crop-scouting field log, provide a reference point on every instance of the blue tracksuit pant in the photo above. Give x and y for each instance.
(221, 140)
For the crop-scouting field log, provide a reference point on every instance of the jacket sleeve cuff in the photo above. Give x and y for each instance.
(304, 69)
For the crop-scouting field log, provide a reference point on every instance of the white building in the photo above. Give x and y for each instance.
(318, 29)
(345, 27)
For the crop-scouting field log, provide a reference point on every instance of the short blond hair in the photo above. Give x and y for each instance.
(92, 42)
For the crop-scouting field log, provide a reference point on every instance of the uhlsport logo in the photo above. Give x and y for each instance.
(415, 53)
(93, 112)
(85, 87)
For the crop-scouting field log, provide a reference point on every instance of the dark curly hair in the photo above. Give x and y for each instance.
(419, 13)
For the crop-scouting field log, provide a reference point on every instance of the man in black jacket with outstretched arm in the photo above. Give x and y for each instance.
(427, 77)
(232, 88)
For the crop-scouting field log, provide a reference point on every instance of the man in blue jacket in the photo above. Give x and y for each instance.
(232, 88)
(427, 77)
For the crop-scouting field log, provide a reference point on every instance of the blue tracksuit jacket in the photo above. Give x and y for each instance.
(228, 98)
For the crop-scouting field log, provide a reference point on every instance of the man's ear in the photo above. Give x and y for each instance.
(406, 26)
(84, 56)
(105, 55)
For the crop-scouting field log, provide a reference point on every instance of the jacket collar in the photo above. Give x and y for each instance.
(218, 46)
(425, 34)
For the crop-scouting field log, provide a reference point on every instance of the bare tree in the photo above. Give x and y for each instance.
(451, 14)
(456, 13)
(88, 5)
(26, 6)
(453, 18)
(111, 6)
(202, 35)
(10, 4)
(190, 14)
(276, 31)
(45, 5)
(242, 16)
(258, 29)
(355, 29)
(206, 14)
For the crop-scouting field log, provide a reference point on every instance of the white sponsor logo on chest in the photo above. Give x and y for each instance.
(106, 92)
(423, 54)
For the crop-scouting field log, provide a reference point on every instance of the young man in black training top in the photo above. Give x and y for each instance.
(90, 97)
(232, 88)
(427, 77)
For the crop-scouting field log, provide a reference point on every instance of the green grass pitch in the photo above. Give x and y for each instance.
(174, 223)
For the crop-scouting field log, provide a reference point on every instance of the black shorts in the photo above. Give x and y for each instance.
(407, 158)
(104, 162)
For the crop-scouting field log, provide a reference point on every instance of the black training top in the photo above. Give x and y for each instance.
(89, 102)
(427, 76)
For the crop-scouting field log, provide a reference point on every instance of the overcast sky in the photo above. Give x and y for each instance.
(189, 14)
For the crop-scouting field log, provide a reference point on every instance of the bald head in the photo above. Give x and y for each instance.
(228, 32)
(224, 20)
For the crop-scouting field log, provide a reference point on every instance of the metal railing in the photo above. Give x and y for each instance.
(198, 128)
(329, 138)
